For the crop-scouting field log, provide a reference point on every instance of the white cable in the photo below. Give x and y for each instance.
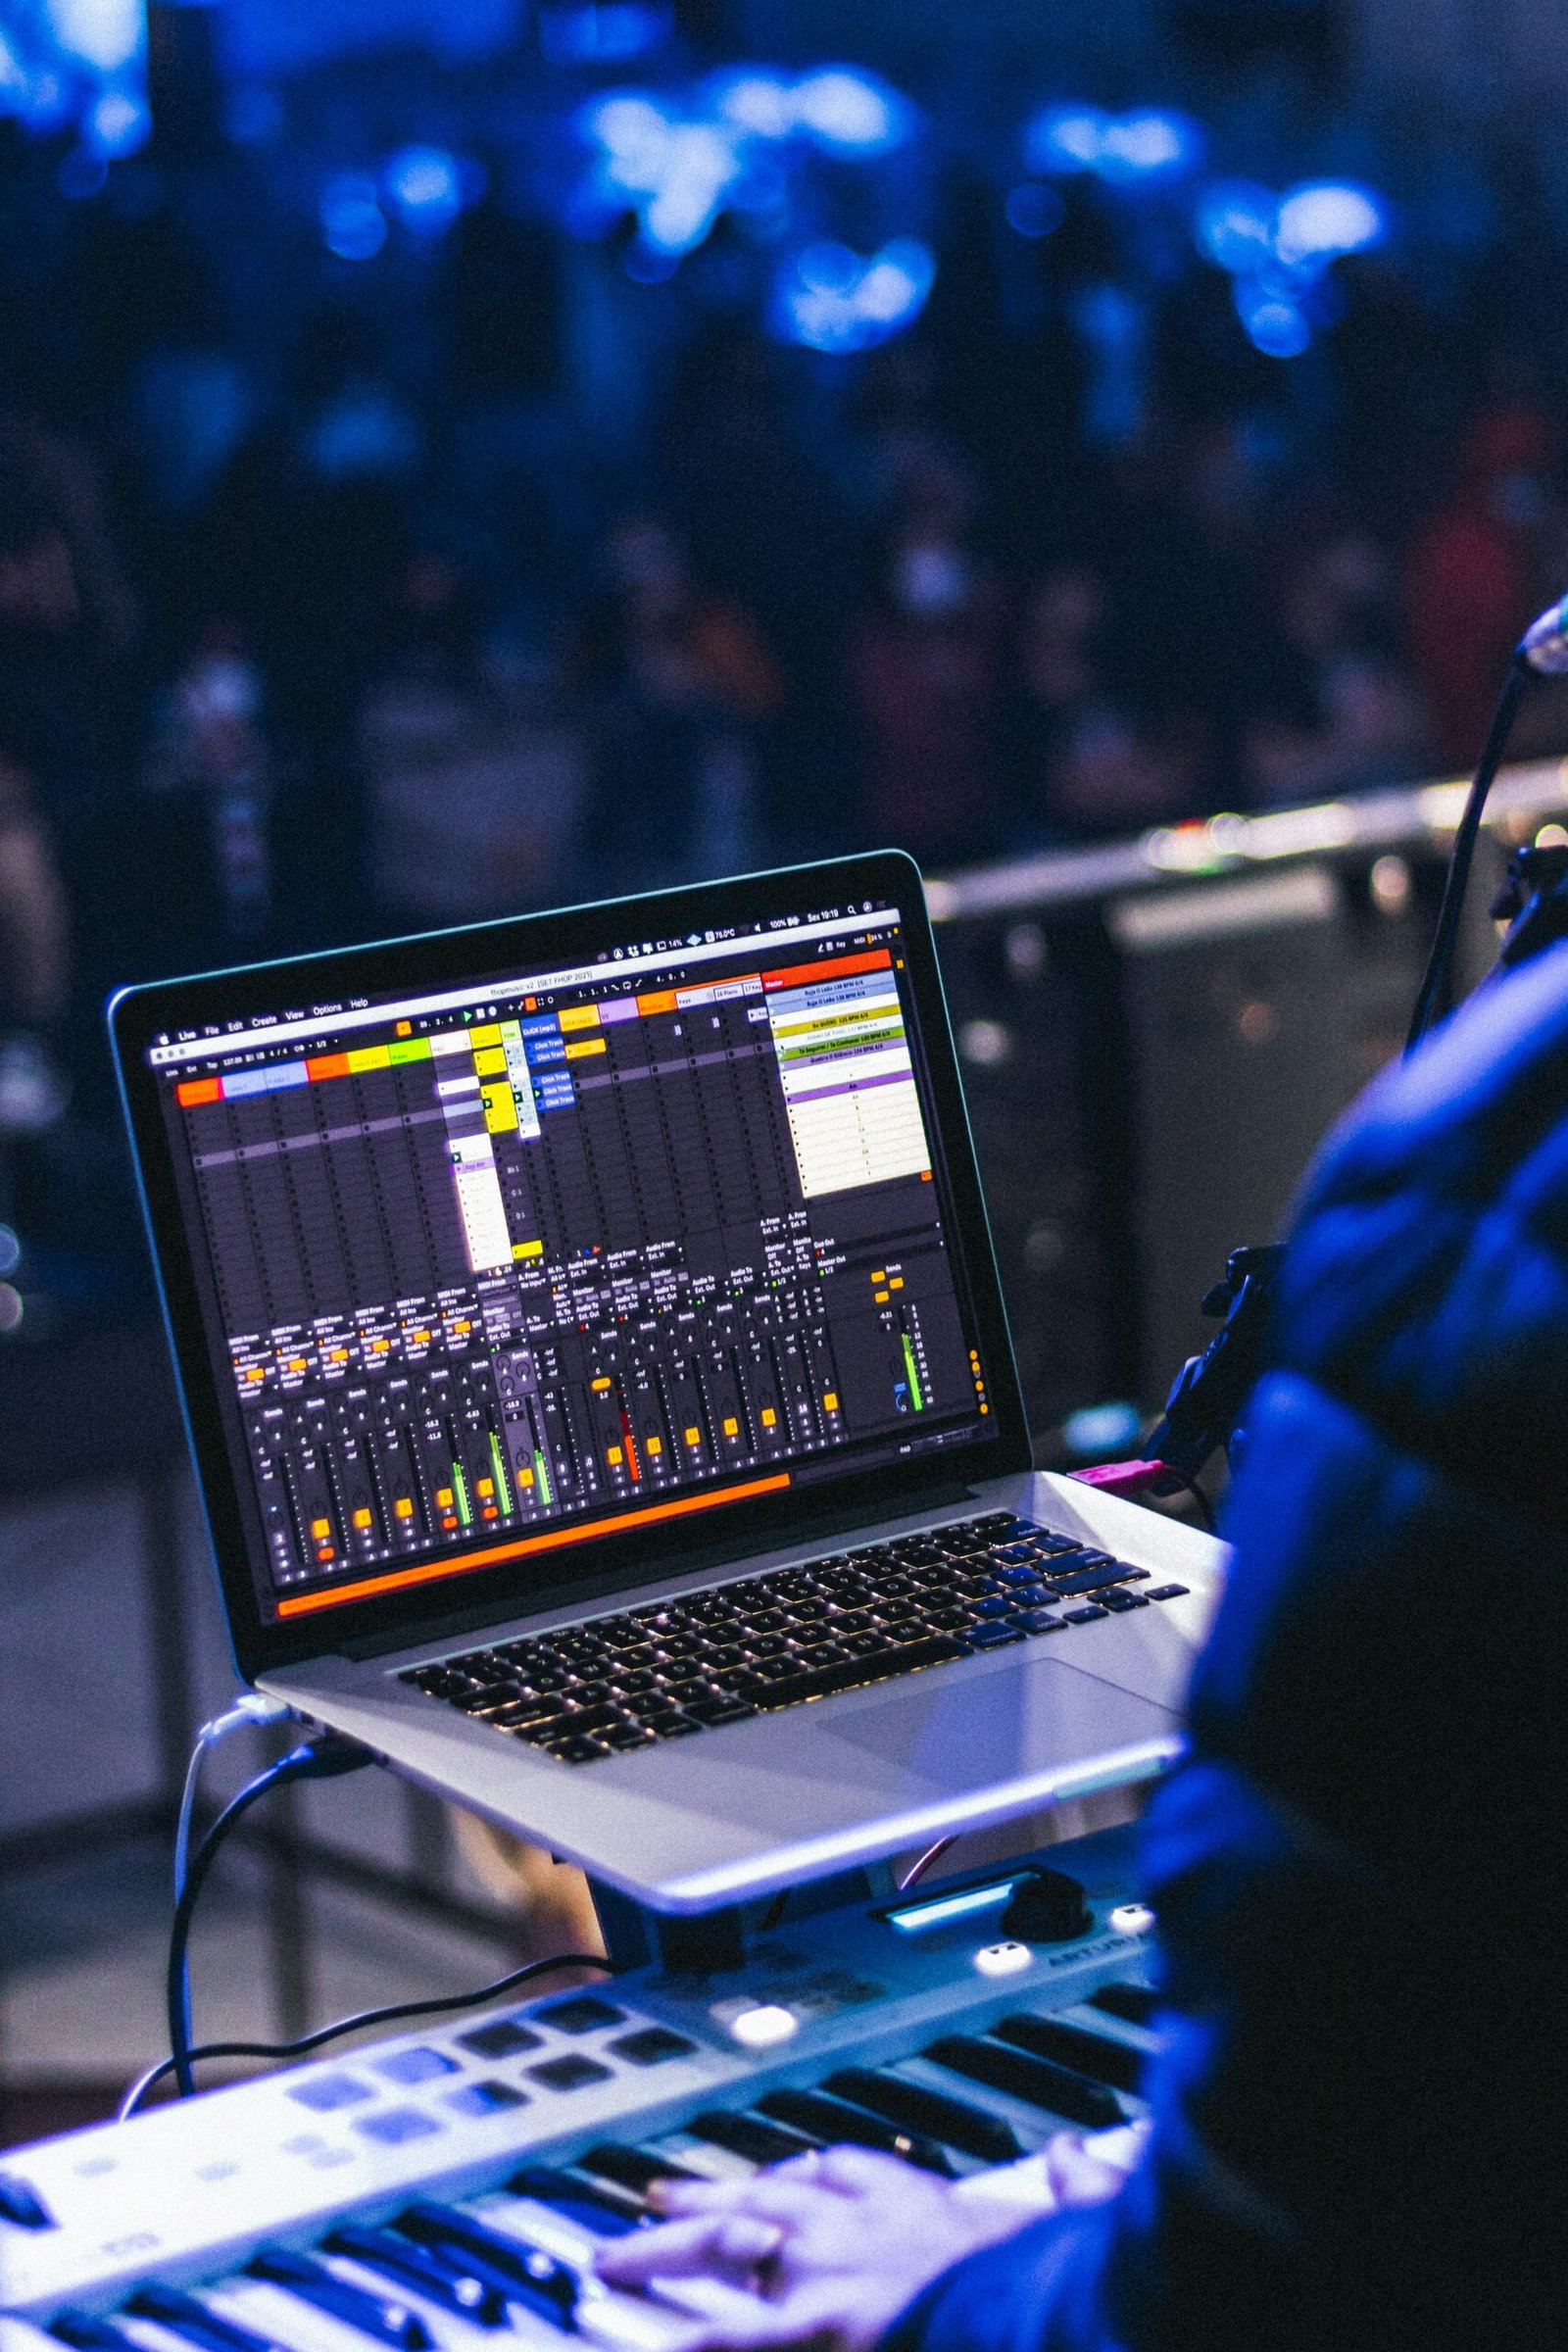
(249, 1708)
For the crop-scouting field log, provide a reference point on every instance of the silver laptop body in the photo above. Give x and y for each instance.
(526, 1275)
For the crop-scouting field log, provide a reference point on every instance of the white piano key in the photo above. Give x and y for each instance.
(20, 2336)
(699, 2156)
(283, 2319)
(706, 2299)
(1024, 2183)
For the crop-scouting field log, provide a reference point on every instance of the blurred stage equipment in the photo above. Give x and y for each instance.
(1210, 1391)
(1157, 1033)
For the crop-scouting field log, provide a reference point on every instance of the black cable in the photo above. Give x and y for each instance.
(1191, 1486)
(443, 2005)
(1520, 675)
(321, 1758)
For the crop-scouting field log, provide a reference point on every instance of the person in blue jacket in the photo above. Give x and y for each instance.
(1358, 2113)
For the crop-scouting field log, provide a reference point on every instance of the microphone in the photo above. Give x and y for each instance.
(1544, 644)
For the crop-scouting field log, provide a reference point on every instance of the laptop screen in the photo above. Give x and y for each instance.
(491, 1270)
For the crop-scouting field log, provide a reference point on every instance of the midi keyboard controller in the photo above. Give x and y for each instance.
(444, 2191)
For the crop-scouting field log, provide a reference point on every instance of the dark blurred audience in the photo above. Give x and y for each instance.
(65, 626)
(675, 683)
(480, 575)
(1475, 573)
(925, 659)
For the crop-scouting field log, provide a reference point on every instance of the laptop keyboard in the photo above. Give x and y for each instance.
(779, 1640)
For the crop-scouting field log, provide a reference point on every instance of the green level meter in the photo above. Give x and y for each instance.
(499, 1466)
(915, 1398)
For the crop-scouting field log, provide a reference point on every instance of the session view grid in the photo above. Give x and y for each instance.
(504, 1269)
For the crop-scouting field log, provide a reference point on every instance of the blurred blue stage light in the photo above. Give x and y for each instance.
(119, 124)
(1097, 1430)
(105, 34)
(744, 141)
(1064, 139)
(841, 110)
(1280, 251)
(353, 224)
(698, 169)
(81, 174)
(609, 33)
(1234, 225)
(630, 125)
(425, 186)
(1275, 324)
(755, 99)
(678, 164)
(1148, 145)
(832, 299)
(1033, 210)
(1321, 220)
(851, 113)
(674, 175)
(77, 60)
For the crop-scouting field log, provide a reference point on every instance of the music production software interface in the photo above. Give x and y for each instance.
(504, 1267)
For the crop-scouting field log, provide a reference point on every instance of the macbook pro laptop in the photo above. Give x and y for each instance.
(599, 1390)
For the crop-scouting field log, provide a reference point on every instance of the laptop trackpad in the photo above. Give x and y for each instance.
(984, 1730)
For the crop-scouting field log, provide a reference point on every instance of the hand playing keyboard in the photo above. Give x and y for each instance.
(826, 2249)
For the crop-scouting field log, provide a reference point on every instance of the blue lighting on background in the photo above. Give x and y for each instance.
(1321, 220)
(830, 298)
(732, 145)
(427, 189)
(755, 100)
(674, 174)
(850, 113)
(1233, 225)
(1033, 210)
(1099, 1429)
(1275, 324)
(611, 34)
(1148, 145)
(82, 62)
(1280, 249)
(353, 224)
(841, 110)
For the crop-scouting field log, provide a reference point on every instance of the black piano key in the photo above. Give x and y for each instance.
(1040, 2081)
(1133, 2004)
(932, 2112)
(450, 2287)
(833, 2122)
(22, 2205)
(525, 2273)
(1116, 2064)
(380, 2316)
(588, 2204)
(84, 2331)
(635, 2169)
(184, 2315)
(749, 2135)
